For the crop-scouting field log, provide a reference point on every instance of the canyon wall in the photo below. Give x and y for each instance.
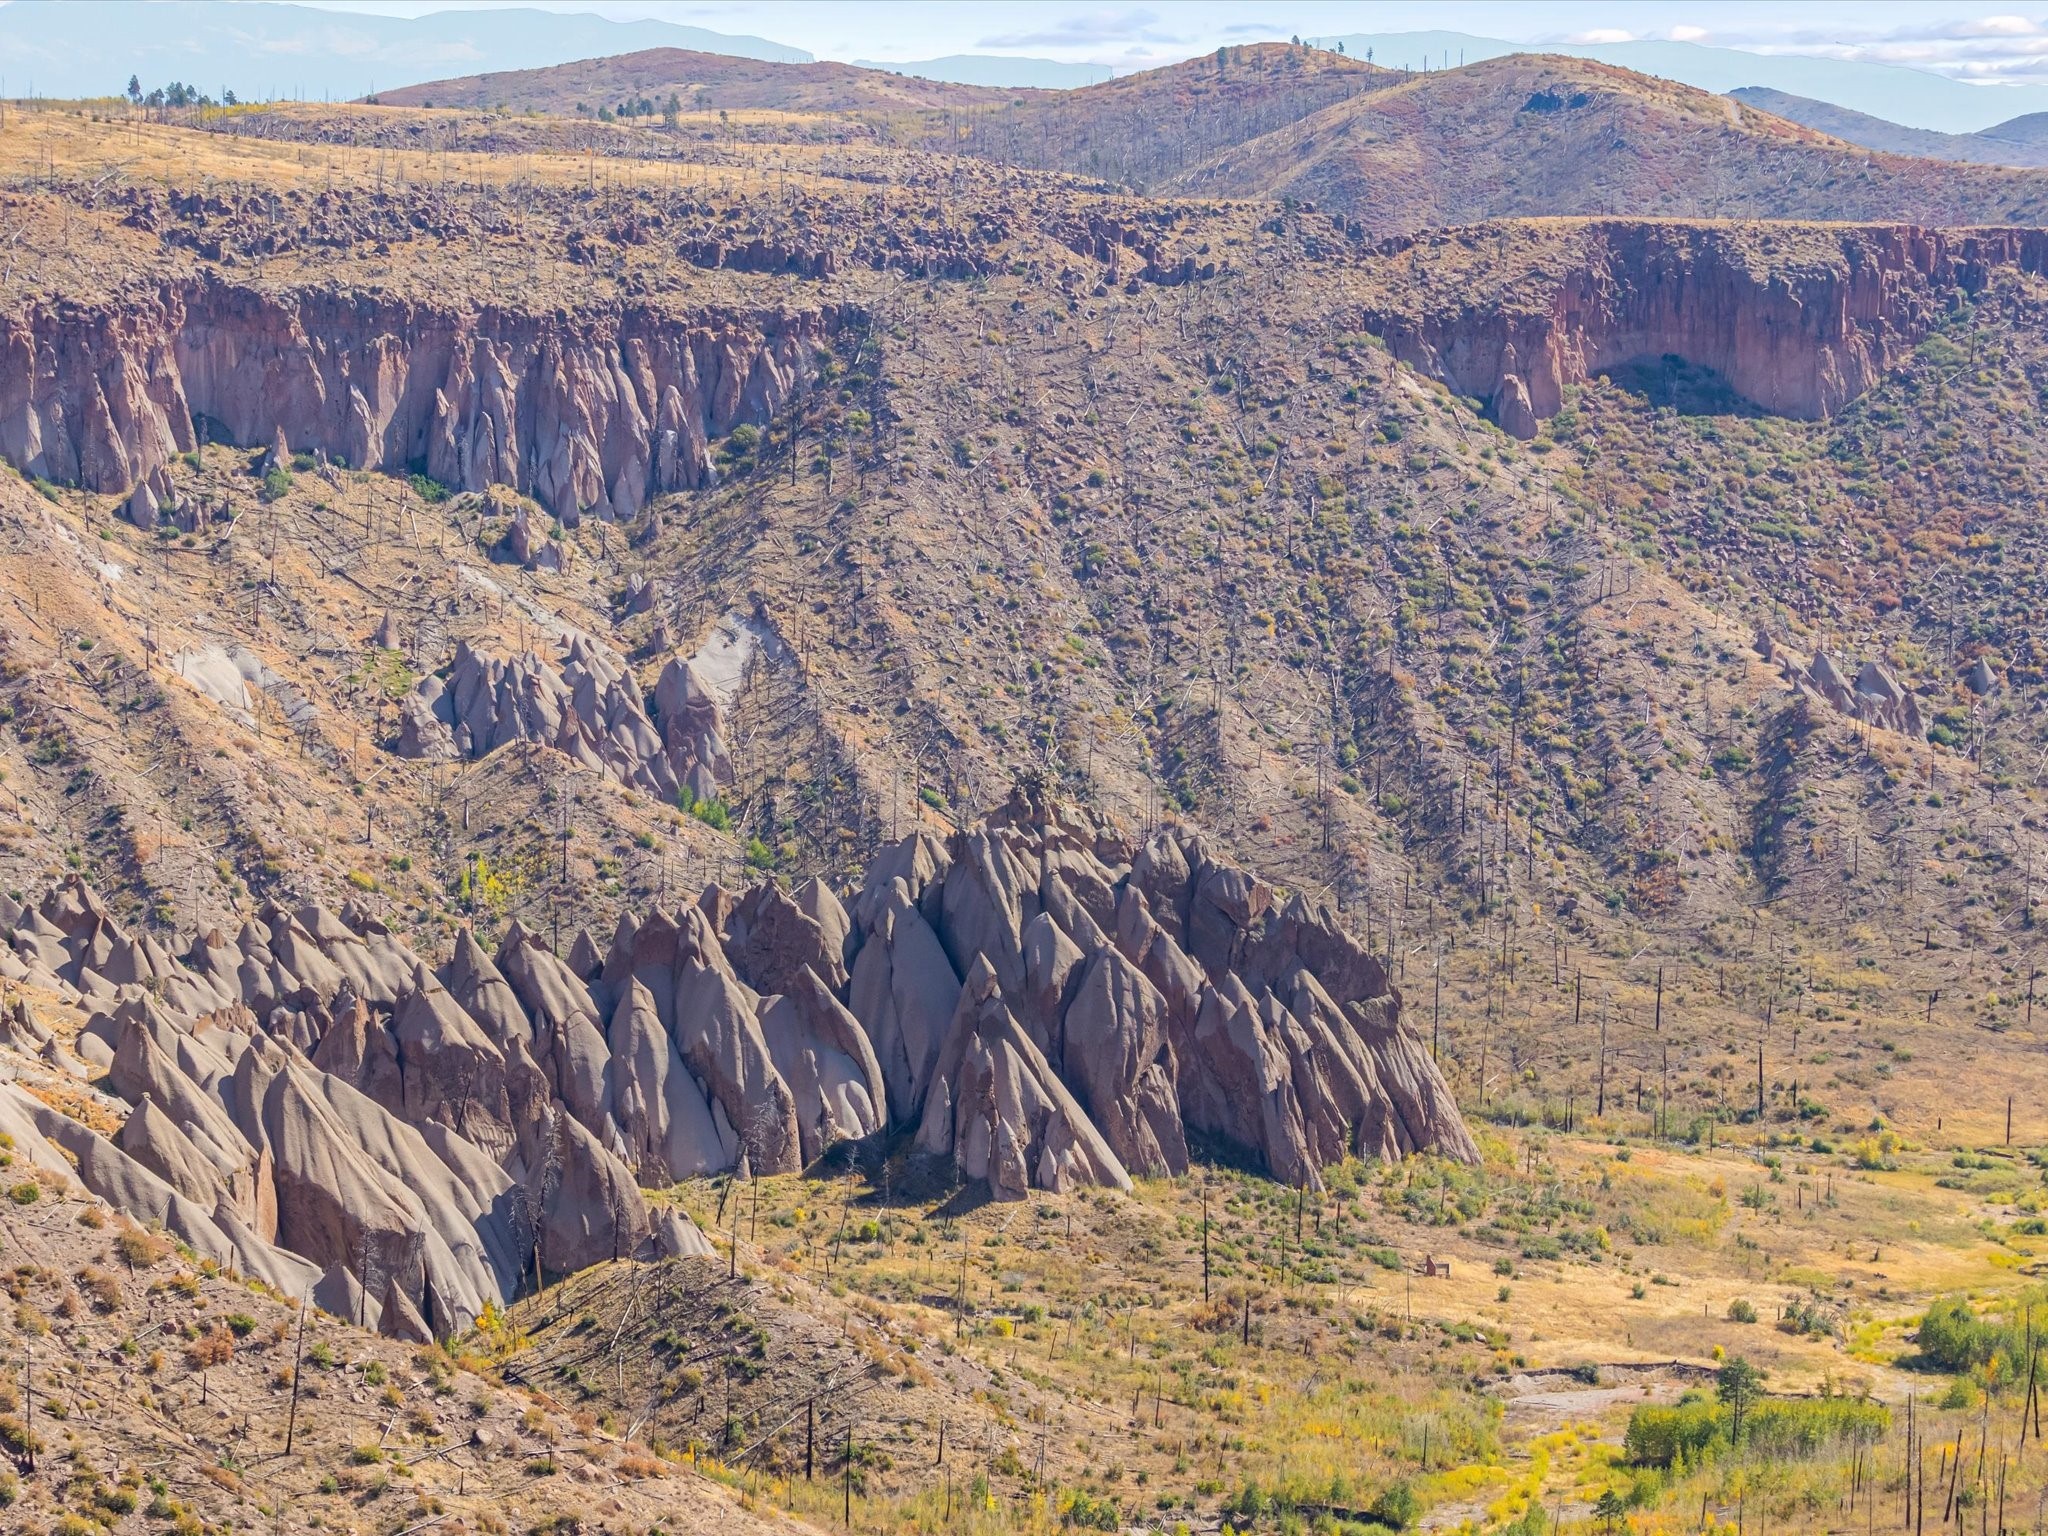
(1800, 322)
(590, 413)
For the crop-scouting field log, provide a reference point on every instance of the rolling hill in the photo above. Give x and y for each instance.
(1536, 135)
(702, 81)
(1389, 152)
(1918, 97)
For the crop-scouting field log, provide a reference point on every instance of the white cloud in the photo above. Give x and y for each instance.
(1086, 29)
(1988, 49)
(1688, 34)
(2000, 26)
(1603, 35)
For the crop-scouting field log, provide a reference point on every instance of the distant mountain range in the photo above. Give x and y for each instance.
(2021, 141)
(262, 50)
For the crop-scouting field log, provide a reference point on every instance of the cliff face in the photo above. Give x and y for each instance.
(1800, 333)
(588, 414)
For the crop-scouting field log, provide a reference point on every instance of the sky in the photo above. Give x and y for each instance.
(1978, 43)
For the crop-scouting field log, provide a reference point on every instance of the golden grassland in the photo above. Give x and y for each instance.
(105, 140)
(1616, 1257)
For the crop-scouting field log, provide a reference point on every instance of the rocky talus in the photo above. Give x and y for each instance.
(593, 414)
(1039, 1000)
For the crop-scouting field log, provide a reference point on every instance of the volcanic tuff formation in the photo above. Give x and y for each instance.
(1801, 336)
(595, 414)
(587, 707)
(1040, 1000)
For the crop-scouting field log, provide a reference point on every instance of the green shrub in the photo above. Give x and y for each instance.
(1397, 1506)
(1696, 1428)
(1953, 1338)
(1741, 1310)
(1785, 1428)
(1659, 1436)
(1085, 1511)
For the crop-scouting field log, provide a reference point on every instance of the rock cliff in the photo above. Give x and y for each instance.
(1799, 323)
(592, 413)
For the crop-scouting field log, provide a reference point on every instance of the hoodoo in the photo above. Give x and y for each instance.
(1040, 1000)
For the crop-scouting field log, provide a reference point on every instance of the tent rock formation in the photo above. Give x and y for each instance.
(1039, 1000)
(583, 703)
(1876, 697)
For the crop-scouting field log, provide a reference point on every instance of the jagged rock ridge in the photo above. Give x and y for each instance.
(1039, 999)
(585, 704)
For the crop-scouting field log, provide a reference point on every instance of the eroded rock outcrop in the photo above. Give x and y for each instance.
(353, 1124)
(582, 702)
(1039, 1000)
(1875, 697)
(1159, 989)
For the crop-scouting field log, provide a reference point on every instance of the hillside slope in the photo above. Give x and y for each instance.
(1533, 135)
(1187, 505)
(1142, 129)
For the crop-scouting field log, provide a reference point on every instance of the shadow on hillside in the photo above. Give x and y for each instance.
(1674, 384)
